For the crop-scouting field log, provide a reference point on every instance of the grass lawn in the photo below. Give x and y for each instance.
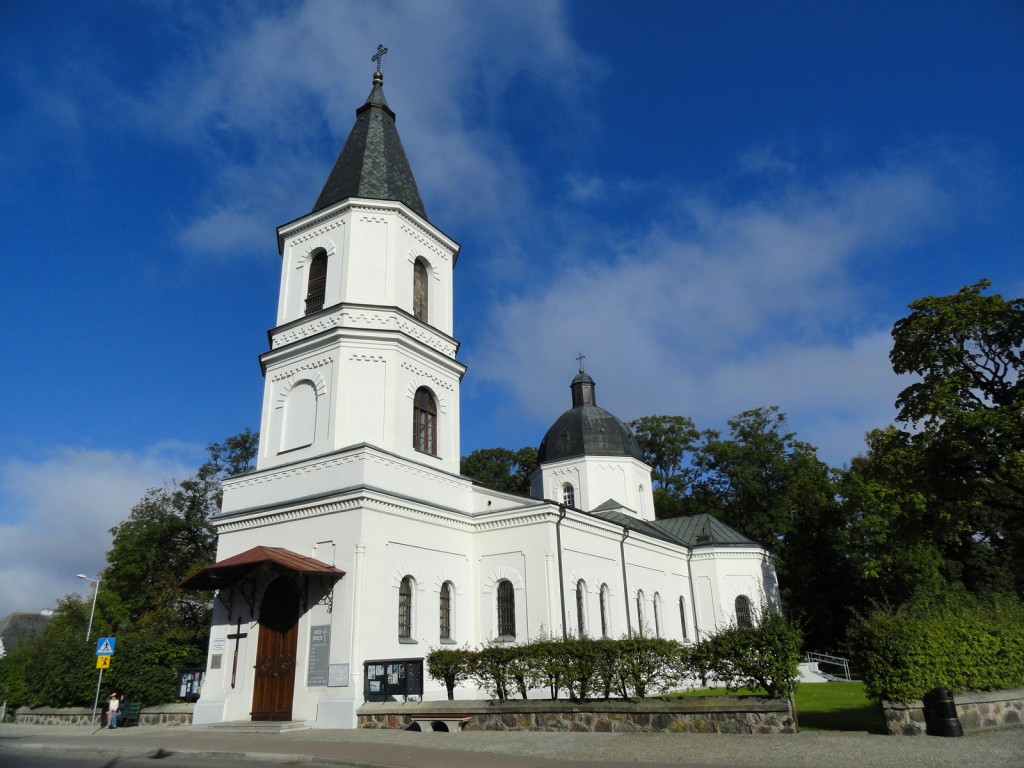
(826, 707)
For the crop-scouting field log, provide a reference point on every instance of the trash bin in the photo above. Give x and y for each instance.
(940, 714)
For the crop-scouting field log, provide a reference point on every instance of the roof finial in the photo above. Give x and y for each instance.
(579, 359)
(381, 51)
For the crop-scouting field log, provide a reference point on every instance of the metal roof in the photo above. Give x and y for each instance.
(704, 530)
(372, 164)
(586, 429)
(235, 568)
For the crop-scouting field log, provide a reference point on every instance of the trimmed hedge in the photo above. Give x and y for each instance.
(954, 641)
(631, 668)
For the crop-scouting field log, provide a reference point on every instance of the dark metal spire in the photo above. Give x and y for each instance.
(372, 164)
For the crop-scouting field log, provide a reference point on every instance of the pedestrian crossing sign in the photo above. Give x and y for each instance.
(102, 662)
(105, 646)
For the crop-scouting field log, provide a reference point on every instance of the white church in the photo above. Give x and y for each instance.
(355, 546)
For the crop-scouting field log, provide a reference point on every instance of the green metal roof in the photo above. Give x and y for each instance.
(703, 530)
(372, 164)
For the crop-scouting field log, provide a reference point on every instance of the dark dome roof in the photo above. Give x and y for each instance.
(586, 429)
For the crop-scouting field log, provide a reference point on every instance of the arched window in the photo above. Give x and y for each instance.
(424, 426)
(682, 617)
(446, 611)
(419, 290)
(568, 495)
(743, 618)
(317, 285)
(405, 608)
(640, 614)
(604, 610)
(581, 607)
(506, 610)
(657, 615)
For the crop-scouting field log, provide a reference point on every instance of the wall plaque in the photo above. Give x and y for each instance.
(337, 677)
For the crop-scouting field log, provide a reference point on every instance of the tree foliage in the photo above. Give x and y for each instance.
(942, 501)
(501, 468)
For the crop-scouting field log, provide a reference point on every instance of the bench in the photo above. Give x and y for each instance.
(440, 722)
(129, 715)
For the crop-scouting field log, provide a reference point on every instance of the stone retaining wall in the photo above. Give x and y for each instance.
(710, 714)
(976, 710)
(164, 714)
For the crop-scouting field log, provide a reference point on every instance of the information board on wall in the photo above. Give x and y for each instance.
(319, 655)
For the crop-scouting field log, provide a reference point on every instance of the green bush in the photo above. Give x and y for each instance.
(450, 666)
(954, 641)
(765, 656)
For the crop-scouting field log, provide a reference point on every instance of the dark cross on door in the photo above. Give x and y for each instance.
(381, 50)
(236, 637)
(580, 358)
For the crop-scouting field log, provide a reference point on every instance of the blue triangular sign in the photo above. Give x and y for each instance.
(105, 646)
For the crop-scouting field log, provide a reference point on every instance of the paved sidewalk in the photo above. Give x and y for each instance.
(401, 749)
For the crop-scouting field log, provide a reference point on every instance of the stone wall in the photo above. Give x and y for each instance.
(164, 714)
(975, 710)
(709, 714)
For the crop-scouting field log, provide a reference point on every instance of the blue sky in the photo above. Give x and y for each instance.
(724, 205)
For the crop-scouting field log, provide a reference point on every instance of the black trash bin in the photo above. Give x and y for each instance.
(940, 714)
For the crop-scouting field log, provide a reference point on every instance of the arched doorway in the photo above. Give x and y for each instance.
(274, 683)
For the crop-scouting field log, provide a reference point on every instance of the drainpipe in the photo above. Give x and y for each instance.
(693, 600)
(561, 577)
(625, 586)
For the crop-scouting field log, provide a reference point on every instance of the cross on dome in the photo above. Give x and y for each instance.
(381, 51)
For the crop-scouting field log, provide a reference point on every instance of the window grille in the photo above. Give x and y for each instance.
(604, 610)
(743, 618)
(506, 610)
(405, 608)
(581, 622)
(446, 611)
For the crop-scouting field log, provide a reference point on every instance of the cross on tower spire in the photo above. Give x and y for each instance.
(579, 359)
(381, 51)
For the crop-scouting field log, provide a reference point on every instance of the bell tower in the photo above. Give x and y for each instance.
(362, 352)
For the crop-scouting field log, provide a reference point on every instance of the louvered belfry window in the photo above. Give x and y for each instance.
(317, 283)
(419, 291)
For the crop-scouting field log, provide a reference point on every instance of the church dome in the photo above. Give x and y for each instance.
(586, 429)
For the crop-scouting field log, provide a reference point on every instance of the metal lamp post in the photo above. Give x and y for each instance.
(96, 591)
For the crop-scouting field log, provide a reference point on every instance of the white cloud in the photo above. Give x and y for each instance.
(57, 512)
(751, 304)
(267, 97)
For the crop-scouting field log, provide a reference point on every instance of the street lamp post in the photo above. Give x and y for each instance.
(96, 591)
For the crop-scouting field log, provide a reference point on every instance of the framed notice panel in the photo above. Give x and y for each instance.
(319, 655)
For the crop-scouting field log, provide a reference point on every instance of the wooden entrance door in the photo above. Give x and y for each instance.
(274, 682)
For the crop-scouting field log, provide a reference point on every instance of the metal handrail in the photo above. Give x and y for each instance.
(824, 658)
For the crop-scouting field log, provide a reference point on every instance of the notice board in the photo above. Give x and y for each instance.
(319, 655)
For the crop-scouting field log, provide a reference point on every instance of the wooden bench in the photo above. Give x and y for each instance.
(446, 722)
(130, 714)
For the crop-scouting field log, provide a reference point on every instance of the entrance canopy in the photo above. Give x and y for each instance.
(228, 572)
